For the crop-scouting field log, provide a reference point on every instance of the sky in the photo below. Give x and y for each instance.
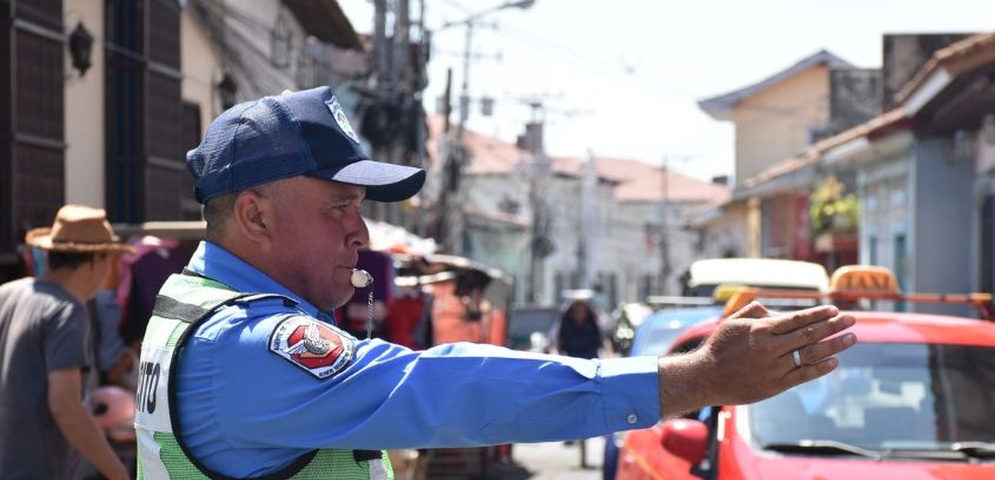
(622, 78)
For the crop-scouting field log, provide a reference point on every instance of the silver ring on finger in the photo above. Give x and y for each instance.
(796, 355)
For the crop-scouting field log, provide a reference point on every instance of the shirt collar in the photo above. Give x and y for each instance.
(216, 263)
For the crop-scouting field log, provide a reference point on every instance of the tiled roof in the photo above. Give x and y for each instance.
(488, 154)
(636, 181)
(956, 58)
(641, 182)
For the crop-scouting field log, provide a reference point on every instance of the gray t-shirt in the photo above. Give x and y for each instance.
(42, 328)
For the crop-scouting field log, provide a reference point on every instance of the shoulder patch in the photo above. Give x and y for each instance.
(320, 349)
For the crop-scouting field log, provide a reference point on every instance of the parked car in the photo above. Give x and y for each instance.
(654, 336)
(913, 399)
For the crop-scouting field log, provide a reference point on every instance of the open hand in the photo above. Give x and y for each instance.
(750, 356)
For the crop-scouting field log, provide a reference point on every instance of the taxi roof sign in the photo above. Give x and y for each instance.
(864, 278)
(854, 282)
(725, 291)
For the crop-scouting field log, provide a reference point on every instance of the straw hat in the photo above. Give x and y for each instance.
(77, 229)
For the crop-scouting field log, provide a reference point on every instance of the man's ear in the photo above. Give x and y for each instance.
(251, 216)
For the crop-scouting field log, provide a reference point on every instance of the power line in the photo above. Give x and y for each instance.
(531, 40)
(583, 59)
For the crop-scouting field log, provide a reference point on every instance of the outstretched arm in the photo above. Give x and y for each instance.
(750, 357)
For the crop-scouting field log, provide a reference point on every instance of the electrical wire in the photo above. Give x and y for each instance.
(576, 57)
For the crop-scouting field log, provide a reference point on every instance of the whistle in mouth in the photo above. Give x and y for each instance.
(360, 278)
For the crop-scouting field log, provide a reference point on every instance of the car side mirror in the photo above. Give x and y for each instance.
(685, 438)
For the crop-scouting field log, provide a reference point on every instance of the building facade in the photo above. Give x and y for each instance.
(104, 98)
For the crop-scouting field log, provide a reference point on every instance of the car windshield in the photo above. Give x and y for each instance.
(660, 329)
(888, 396)
(657, 340)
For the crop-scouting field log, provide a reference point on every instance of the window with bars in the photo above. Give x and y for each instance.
(146, 168)
(32, 137)
(191, 138)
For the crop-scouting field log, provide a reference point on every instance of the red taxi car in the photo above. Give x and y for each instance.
(914, 399)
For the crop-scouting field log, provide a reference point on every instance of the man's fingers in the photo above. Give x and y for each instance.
(816, 352)
(802, 318)
(752, 310)
(810, 372)
(817, 359)
(816, 332)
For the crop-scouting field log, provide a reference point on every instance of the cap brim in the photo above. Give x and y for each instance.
(384, 182)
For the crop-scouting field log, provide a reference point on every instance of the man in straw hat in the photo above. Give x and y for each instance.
(46, 353)
(246, 374)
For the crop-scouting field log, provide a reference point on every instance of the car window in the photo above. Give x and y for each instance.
(658, 332)
(657, 341)
(888, 396)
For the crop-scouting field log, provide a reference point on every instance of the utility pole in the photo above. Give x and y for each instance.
(380, 49)
(541, 244)
(444, 175)
(587, 244)
(400, 92)
(455, 154)
(382, 80)
(666, 268)
(420, 127)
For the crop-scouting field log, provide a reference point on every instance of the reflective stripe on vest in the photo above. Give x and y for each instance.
(161, 453)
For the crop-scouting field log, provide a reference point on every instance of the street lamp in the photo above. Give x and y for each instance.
(80, 47)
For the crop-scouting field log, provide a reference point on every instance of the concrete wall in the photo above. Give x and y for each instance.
(618, 244)
(84, 114)
(248, 24)
(500, 245)
(724, 235)
(201, 69)
(780, 217)
(636, 255)
(565, 198)
(943, 197)
(774, 124)
(855, 97)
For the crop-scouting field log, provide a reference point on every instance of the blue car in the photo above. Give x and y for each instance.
(653, 337)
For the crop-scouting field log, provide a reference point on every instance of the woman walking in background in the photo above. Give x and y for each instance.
(579, 333)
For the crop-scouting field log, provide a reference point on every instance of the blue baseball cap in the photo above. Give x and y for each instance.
(283, 136)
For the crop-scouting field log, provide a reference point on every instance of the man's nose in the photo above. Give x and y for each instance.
(360, 237)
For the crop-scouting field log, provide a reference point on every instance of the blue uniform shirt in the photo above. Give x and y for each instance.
(247, 410)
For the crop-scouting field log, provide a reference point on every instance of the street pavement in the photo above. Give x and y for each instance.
(552, 461)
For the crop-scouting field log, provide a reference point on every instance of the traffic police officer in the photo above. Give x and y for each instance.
(244, 374)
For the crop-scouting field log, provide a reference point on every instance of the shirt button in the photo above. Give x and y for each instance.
(631, 418)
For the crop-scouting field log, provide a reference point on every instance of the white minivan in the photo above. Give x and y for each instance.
(772, 273)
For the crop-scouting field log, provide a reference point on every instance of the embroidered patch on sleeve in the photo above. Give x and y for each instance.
(320, 349)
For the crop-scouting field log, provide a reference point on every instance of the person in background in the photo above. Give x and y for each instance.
(579, 334)
(118, 362)
(46, 353)
(245, 373)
